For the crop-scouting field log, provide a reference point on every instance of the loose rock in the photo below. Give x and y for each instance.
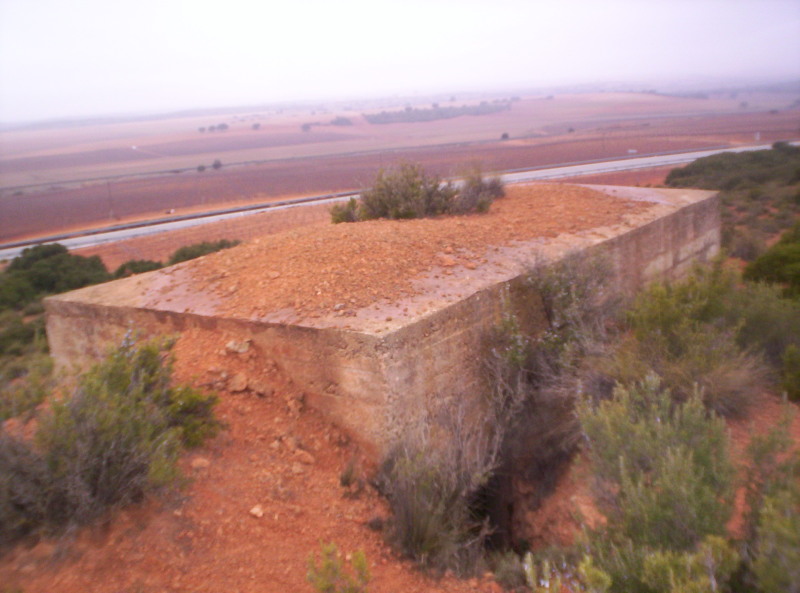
(200, 463)
(238, 382)
(235, 347)
(257, 511)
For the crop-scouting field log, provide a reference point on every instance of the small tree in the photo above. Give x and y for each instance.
(407, 192)
(217, 164)
(330, 576)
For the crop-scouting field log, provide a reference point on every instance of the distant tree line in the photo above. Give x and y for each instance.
(410, 114)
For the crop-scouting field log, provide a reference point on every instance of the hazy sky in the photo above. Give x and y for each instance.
(81, 57)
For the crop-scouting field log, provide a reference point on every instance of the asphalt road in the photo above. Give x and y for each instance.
(123, 232)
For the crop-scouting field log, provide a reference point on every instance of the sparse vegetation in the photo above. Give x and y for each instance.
(434, 491)
(25, 369)
(658, 446)
(409, 192)
(136, 266)
(199, 249)
(328, 575)
(665, 485)
(760, 193)
(113, 440)
(780, 264)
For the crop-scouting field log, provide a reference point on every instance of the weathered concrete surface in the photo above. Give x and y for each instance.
(383, 371)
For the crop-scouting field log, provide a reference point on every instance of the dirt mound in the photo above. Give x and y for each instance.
(319, 270)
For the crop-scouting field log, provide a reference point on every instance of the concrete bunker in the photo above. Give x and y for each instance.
(374, 361)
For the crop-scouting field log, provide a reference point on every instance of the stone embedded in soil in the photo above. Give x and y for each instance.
(200, 463)
(304, 457)
(238, 383)
(235, 347)
(257, 511)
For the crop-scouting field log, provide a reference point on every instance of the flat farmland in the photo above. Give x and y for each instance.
(68, 178)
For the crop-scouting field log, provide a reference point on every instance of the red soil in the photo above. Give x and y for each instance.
(287, 460)
(317, 269)
(41, 211)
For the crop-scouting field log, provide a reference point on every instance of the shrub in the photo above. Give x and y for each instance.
(24, 384)
(533, 365)
(476, 194)
(347, 212)
(136, 266)
(771, 546)
(791, 373)
(191, 412)
(780, 264)
(409, 192)
(777, 565)
(52, 269)
(508, 570)
(115, 439)
(698, 332)
(199, 249)
(431, 497)
(328, 575)
(435, 491)
(406, 192)
(664, 480)
(744, 244)
(15, 290)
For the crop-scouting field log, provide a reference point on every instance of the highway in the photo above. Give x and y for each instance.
(142, 229)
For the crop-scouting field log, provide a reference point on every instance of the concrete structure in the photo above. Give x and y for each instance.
(380, 373)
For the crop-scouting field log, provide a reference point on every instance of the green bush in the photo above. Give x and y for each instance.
(758, 194)
(47, 269)
(431, 498)
(329, 575)
(780, 264)
(52, 269)
(15, 290)
(777, 565)
(664, 479)
(709, 330)
(408, 191)
(199, 249)
(435, 491)
(114, 439)
(791, 373)
(136, 266)
(533, 366)
(476, 194)
(508, 570)
(771, 546)
(347, 212)
(15, 334)
(24, 383)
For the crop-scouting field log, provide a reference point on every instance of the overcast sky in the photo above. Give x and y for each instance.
(83, 57)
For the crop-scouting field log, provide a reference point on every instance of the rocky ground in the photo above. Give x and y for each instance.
(260, 497)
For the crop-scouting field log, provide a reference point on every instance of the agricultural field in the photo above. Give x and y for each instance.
(71, 177)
